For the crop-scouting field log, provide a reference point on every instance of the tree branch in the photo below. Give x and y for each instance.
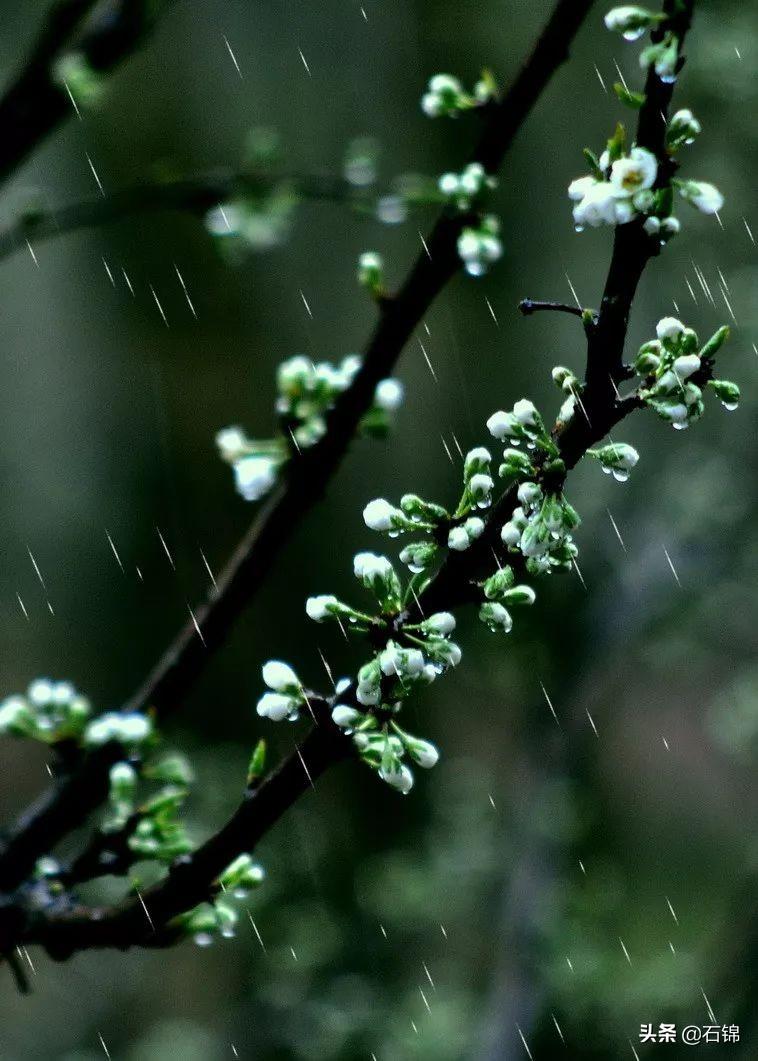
(73, 798)
(193, 195)
(105, 33)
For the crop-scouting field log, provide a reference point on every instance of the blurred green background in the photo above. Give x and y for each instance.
(502, 893)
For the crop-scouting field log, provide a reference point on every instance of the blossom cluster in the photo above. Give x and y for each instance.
(219, 917)
(306, 392)
(156, 831)
(446, 97)
(49, 711)
(625, 182)
(674, 369)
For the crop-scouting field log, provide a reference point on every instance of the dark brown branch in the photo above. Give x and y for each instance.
(35, 105)
(528, 306)
(71, 801)
(191, 879)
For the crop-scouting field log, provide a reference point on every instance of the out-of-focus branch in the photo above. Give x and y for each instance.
(191, 195)
(76, 795)
(105, 33)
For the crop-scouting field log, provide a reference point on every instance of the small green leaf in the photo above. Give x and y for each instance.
(628, 98)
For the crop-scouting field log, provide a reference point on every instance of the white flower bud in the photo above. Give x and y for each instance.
(254, 476)
(279, 676)
(510, 535)
(686, 365)
(529, 494)
(345, 717)
(458, 539)
(474, 527)
(480, 486)
(318, 608)
(389, 395)
(232, 444)
(399, 777)
(442, 623)
(423, 752)
(499, 424)
(379, 515)
(669, 328)
(276, 706)
(702, 195)
(526, 413)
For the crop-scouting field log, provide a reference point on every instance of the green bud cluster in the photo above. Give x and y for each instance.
(157, 832)
(446, 97)
(49, 712)
(79, 79)
(219, 917)
(674, 369)
(306, 392)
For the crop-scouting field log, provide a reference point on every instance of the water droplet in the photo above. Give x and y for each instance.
(578, 228)
(668, 79)
(203, 939)
(633, 34)
(680, 425)
(730, 406)
(620, 475)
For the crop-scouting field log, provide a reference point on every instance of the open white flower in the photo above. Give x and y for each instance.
(598, 207)
(580, 187)
(634, 173)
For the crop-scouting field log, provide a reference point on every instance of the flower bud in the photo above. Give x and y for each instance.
(496, 617)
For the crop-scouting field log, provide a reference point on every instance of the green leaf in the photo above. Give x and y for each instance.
(628, 98)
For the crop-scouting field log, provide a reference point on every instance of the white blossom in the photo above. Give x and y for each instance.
(317, 608)
(389, 395)
(276, 706)
(279, 676)
(442, 623)
(634, 173)
(345, 717)
(669, 328)
(458, 539)
(254, 476)
(702, 195)
(526, 413)
(686, 365)
(580, 187)
(397, 776)
(499, 424)
(232, 444)
(378, 515)
(510, 535)
(423, 752)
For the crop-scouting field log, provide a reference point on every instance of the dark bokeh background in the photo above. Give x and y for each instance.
(515, 869)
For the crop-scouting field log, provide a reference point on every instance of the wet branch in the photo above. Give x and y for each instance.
(191, 195)
(79, 793)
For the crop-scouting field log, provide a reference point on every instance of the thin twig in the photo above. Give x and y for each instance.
(528, 306)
